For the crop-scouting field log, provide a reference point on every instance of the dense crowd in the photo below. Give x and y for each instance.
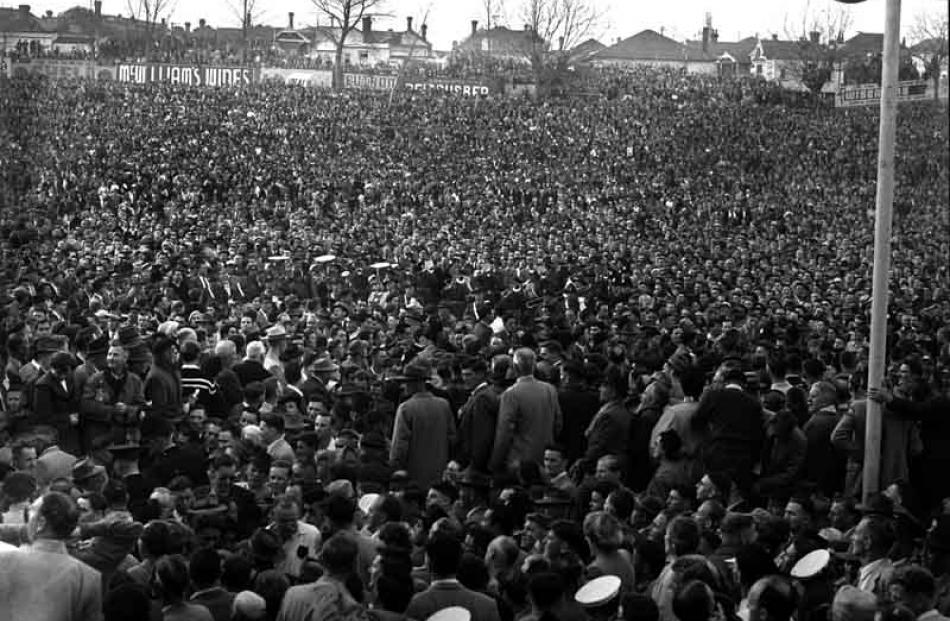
(280, 353)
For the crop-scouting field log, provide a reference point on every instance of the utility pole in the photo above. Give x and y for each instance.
(883, 212)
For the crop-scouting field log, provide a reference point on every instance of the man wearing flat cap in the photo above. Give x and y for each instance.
(110, 404)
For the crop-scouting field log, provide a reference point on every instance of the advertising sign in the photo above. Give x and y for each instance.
(461, 88)
(870, 94)
(194, 75)
(366, 81)
(57, 69)
(314, 78)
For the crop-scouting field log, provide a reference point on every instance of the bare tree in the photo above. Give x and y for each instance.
(248, 12)
(150, 11)
(556, 27)
(818, 35)
(930, 33)
(345, 15)
(495, 14)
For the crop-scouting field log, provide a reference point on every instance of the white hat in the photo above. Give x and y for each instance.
(598, 591)
(250, 604)
(811, 564)
(452, 613)
(366, 502)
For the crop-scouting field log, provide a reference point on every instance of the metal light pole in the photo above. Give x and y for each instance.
(882, 244)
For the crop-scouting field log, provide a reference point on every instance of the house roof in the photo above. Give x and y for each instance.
(73, 39)
(645, 45)
(585, 50)
(501, 39)
(778, 49)
(16, 20)
(930, 46)
(862, 44)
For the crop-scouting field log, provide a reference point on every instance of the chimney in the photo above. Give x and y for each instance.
(774, 37)
(187, 26)
(714, 36)
(367, 24)
(527, 27)
(560, 43)
(163, 23)
(97, 7)
(814, 36)
(705, 39)
(409, 24)
(25, 9)
(425, 31)
(201, 23)
(474, 26)
(290, 20)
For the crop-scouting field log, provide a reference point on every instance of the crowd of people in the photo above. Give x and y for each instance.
(282, 353)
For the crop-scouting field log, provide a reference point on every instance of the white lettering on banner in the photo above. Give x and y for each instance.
(451, 87)
(176, 74)
(870, 94)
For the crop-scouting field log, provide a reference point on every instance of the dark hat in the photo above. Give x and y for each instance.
(349, 433)
(129, 450)
(86, 469)
(324, 365)
(46, 345)
(62, 360)
(98, 347)
(129, 336)
(416, 370)
(161, 344)
(139, 353)
(473, 478)
(734, 523)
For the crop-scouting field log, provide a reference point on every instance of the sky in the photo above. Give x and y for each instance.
(449, 20)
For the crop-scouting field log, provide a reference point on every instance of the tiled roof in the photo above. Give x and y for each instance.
(645, 45)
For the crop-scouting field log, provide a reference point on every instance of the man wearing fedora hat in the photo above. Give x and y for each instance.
(424, 430)
(56, 402)
(43, 351)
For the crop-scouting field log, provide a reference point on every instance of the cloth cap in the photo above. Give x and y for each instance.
(249, 604)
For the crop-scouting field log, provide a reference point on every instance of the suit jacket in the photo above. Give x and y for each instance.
(581, 404)
(99, 418)
(43, 581)
(248, 371)
(736, 433)
(163, 389)
(217, 601)
(447, 593)
(478, 418)
(423, 435)
(529, 418)
(52, 405)
(52, 464)
(609, 433)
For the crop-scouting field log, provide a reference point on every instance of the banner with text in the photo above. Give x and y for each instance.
(466, 89)
(193, 75)
(369, 82)
(870, 94)
(314, 78)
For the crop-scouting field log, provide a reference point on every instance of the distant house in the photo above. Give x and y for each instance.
(776, 60)
(584, 51)
(651, 49)
(724, 58)
(925, 51)
(501, 42)
(21, 31)
(365, 46)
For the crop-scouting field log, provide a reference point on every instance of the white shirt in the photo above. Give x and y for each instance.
(307, 537)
